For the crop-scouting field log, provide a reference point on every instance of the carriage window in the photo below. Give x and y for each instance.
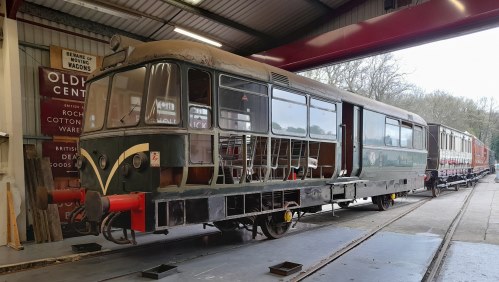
(392, 132)
(406, 136)
(243, 105)
(201, 149)
(443, 141)
(322, 119)
(127, 89)
(163, 101)
(289, 113)
(199, 118)
(373, 128)
(418, 137)
(199, 87)
(96, 104)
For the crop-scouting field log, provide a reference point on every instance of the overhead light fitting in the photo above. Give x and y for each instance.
(267, 58)
(105, 9)
(193, 2)
(196, 36)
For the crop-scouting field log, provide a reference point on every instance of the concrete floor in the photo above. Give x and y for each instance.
(474, 252)
(401, 252)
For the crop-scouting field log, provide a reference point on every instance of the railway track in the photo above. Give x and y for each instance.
(435, 264)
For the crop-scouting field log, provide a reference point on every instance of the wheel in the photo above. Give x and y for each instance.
(468, 184)
(456, 187)
(435, 191)
(383, 202)
(373, 199)
(344, 205)
(273, 225)
(226, 225)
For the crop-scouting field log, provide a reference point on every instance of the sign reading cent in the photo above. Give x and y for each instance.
(61, 118)
(61, 84)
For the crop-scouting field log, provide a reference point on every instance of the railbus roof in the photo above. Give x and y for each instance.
(211, 57)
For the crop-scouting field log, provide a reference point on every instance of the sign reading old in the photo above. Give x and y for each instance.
(76, 61)
(62, 157)
(61, 84)
(61, 118)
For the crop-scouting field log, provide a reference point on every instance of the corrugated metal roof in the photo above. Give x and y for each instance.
(242, 26)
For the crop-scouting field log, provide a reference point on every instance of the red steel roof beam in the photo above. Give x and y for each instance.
(429, 21)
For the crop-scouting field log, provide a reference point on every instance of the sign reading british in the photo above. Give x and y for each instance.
(72, 60)
(61, 84)
(61, 118)
(62, 157)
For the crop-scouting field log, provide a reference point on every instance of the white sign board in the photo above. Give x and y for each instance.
(72, 60)
(155, 159)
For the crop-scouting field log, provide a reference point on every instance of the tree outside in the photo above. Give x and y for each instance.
(380, 78)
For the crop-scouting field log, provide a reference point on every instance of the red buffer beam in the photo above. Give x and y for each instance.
(429, 21)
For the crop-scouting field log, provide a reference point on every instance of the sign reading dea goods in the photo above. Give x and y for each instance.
(76, 61)
(62, 157)
(61, 84)
(61, 118)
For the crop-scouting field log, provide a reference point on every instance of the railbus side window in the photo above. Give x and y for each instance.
(418, 137)
(392, 132)
(289, 113)
(199, 83)
(444, 140)
(322, 119)
(374, 125)
(406, 135)
(95, 109)
(243, 105)
(200, 145)
(163, 101)
(127, 89)
(199, 91)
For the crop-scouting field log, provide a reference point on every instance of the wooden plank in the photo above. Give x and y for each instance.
(42, 214)
(54, 222)
(29, 171)
(12, 229)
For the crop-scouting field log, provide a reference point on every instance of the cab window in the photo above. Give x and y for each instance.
(163, 101)
(127, 89)
(95, 109)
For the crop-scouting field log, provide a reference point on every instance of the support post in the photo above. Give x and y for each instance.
(11, 122)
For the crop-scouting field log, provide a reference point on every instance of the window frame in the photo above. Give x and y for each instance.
(145, 91)
(410, 126)
(104, 118)
(418, 128)
(307, 110)
(387, 119)
(220, 108)
(335, 111)
(180, 97)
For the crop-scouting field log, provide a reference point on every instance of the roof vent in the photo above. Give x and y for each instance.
(280, 79)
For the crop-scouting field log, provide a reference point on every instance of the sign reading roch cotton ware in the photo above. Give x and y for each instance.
(61, 84)
(62, 157)
(61, 118)
(72, 60)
